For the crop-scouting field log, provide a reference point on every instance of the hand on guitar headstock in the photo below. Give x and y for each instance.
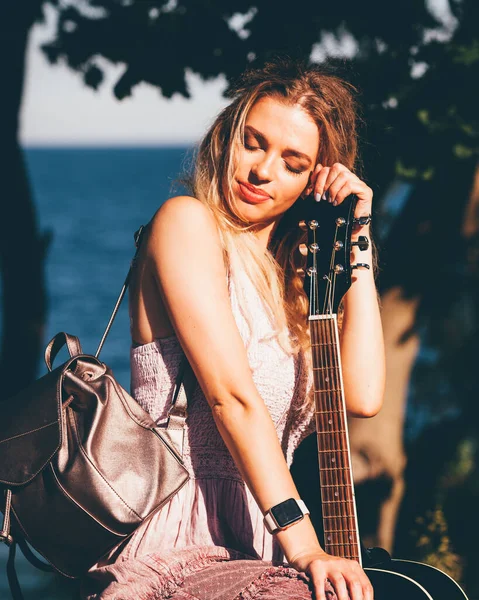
(328, 250)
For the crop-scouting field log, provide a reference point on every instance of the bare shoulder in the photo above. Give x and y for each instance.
(184, 227)
(183, 213)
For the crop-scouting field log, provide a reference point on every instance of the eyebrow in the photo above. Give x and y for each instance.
(260, 137)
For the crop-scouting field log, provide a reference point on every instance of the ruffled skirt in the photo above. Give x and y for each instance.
(208, 543)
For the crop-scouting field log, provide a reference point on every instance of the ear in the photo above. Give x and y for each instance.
(308, 190)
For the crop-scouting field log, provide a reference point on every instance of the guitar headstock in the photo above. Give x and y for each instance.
(329, 242)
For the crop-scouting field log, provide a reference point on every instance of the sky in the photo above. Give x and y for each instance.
(58, 109)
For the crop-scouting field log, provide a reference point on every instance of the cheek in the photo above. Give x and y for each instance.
(291, 190)
(241, 159)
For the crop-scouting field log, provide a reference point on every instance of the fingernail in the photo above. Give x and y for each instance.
(335, 203)
(325, 196)
(317, 197)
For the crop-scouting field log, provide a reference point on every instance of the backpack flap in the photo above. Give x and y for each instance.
(30, 429)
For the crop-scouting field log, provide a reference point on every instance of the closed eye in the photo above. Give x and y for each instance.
(292, 170)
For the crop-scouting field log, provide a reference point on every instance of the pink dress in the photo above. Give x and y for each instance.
(201, 544)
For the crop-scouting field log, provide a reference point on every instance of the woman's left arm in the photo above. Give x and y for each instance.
(362, 345)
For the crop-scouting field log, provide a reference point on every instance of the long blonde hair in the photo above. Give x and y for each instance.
(329, 101)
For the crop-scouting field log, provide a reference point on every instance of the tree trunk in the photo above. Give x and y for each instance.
(420, 261)
(22, 248)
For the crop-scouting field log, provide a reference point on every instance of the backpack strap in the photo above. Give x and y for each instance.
(138, 238)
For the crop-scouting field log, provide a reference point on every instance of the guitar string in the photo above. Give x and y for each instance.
(342, 490)
(339, 428)
(333, 386)
(336, 425)
(326, 401)
(349, 525)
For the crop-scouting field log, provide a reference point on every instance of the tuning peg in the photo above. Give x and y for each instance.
(309, 225)
(360, 266)
(362, 242)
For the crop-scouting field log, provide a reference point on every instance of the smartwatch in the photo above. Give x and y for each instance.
(285, 514)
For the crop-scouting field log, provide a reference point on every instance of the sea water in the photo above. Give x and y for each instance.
(92, 200)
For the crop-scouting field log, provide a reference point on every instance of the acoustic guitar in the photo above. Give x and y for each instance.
(327, 278)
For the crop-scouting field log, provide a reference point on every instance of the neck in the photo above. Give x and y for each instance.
(264, 233)
(341, 536)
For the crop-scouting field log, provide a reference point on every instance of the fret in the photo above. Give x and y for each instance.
(336, 485)
(331, 431)
(339, 544)
(337, 501)
(337, 368)
(326, 344)
(328, 391)
(330, 443)
(327, 412)
(350, 531)
(340, 520)
(335, 469)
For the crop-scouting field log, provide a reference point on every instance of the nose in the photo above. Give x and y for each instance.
(262, 168)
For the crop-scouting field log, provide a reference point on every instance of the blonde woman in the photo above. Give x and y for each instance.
(216, 281)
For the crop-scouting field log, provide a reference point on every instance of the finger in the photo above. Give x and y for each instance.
(313, 178)
(355, 590)
(342, 180)
(320, 182)
(368, 592)
(335, 171)
(319, 586)
(339, 585)
(365, 197)
(316, 171)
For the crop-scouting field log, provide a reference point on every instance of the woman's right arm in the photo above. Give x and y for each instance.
(185, 255)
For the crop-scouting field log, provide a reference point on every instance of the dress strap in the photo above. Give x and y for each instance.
(184, 388)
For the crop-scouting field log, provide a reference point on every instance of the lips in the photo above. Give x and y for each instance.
(252, 194)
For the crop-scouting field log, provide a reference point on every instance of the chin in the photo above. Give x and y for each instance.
(252, 213)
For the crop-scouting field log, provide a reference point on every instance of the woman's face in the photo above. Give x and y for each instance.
(275, 161)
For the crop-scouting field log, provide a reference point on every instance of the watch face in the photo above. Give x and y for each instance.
(287, 512)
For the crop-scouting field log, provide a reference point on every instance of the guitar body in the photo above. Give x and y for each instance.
(389, 585)
(437, 584)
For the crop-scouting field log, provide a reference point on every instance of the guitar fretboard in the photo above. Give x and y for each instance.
(341, 536)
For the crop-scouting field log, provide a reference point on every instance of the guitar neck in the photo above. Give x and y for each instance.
(341, 536)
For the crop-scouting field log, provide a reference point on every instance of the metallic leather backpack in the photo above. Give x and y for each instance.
(82, 465)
